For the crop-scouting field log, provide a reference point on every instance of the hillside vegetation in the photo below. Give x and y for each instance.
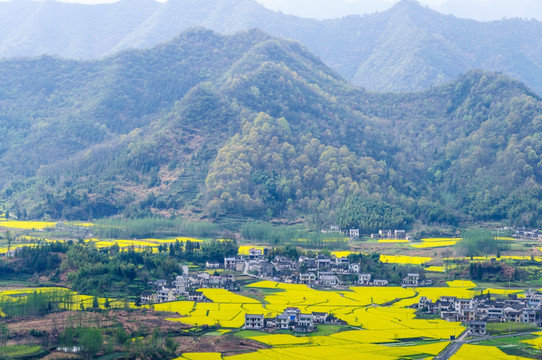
(249, 125)
(408, 47)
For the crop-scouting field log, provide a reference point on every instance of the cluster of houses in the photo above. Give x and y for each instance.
(291, 319)
(382, 234)
(77, 231)
(350, 233)
(318, 271)
(392, 234)
(321, 270)
(185, 285)
(413, 280)
(522, 232)
(517, 232)
(482, 309)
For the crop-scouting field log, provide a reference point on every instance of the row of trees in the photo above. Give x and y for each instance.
(480, 242)
(36, 303)
(152, 226)
(269, 234)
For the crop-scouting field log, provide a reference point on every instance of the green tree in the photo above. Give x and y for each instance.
(9, 238)
(171, 345)
(369, 215)
(95, 303)
(4, 334)
(475, 242)
(90, 341)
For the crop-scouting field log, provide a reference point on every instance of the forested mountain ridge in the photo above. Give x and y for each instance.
(406, 48)
(254, 126)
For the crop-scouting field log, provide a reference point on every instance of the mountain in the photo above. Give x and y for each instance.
(253, 126)
(494, 10)
(406, 48)
(326, 9)
(70, 30)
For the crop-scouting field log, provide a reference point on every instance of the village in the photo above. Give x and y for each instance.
(483, 309)
(321, 271)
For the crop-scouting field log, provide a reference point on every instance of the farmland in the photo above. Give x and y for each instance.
(377, 322)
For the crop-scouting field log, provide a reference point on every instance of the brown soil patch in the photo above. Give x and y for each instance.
(56, 355)
(132, 321)
(227, 344)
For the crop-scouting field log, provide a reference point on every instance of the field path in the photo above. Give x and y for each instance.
(449, 351)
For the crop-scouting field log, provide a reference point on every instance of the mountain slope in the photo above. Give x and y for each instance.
(76, 31)
(406, 48)
(250, 125)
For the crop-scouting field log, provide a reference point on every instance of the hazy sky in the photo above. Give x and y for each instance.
(477, 9)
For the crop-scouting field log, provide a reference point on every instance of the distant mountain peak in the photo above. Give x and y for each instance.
(405, 48)
(410, 6)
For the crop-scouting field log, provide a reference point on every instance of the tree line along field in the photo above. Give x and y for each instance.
(451, 257)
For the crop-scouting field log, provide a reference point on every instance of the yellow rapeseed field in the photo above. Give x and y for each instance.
(364, 307)
(244, 249)
(502, 291)
(332, 350)
(537, 342)
(435, 269)
(440, 239)
(404, 259)
(435, 242)
(200, 356)
(344, 254)
(467, 284)
(503, 257)
(392, 241)
(27, 225)
(4, 249)
(380, 324)
(281, 339)
(469, 352)
(68, 299)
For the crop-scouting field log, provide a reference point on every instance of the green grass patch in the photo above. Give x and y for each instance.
(326, 330)
(426, 316)
(244, 280)
(112, 356)
(213, 333)
(19, 351)
(509, 328)
(528, 283)
(245, 334)
(23, 280)
(322, 330)
(259, 293)
(514, 346)
(507, 342)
